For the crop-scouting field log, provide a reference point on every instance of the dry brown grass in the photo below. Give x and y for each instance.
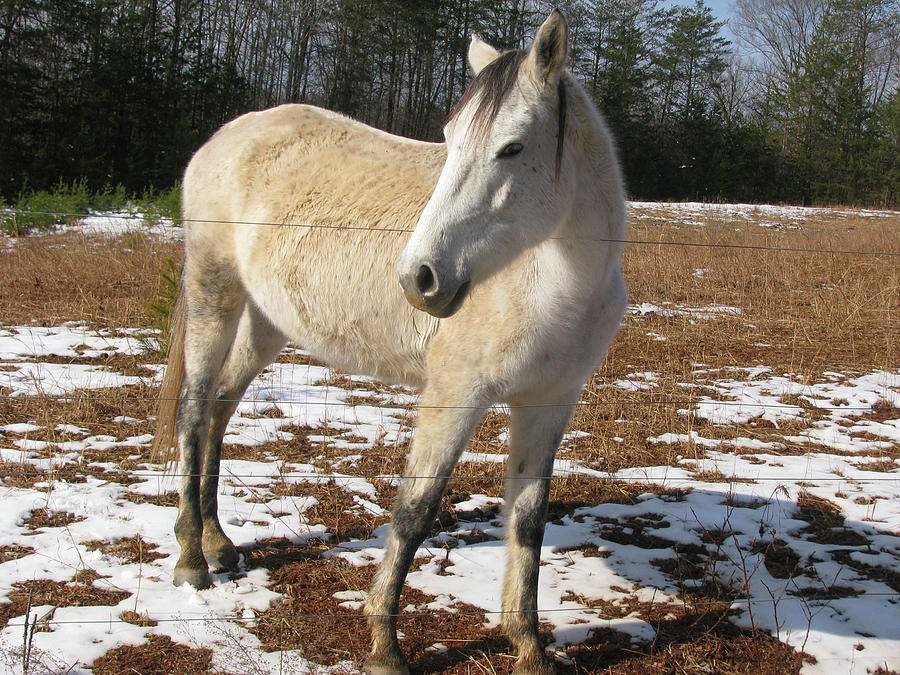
(80, 592)
(129, 550)
(816, 310)
(801, 313)
(41, 518)
(93, 411)
(70, 277)
(14, 552)
(158, 656)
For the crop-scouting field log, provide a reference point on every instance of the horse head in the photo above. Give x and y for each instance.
(507, 183)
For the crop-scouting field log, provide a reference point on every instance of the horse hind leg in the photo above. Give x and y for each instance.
(256, 345)
(535, 434)
(214, 301)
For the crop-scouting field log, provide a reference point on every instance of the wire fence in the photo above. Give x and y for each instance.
(566, 474)
(398, 230)
(356, 616)
(578, 473)
(387, 405)
(400, 408)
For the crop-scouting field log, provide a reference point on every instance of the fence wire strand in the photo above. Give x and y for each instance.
(823, 597)
(338, 479)
(561, 474)
(399, 230)
(412, 407)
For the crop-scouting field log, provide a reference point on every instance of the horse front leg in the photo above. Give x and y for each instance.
(535, 434)
(441, 436)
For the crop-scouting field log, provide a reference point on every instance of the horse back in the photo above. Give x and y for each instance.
(309, 211)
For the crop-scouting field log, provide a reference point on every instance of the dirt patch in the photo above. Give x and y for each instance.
(311, 619)
(781, 561)
(24, 475)
(81, 593)
(826, 522)
(165, 499)
(886, 575)
(41, 518)
(158, 656)
(132, 617)
(883, 466)
(714, 476)
(331, 504)
(14, 552)
(129, 550)
(691, 563)
(308, 617)
(693, 643)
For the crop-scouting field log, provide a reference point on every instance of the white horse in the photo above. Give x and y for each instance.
(294, 230)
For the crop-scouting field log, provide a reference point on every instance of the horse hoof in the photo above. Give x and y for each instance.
(534, 666)
(375, 666)
(226, 558)
(199, 579)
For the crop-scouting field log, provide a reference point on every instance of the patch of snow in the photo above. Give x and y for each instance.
(757, 508)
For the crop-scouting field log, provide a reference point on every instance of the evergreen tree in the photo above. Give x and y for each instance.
(119, 91)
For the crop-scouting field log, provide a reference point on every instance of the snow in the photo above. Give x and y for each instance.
(689, 212)
(109, 224)
(672, 309)
(470, 573)
(117, 223)
(70, 339)
(758, 504)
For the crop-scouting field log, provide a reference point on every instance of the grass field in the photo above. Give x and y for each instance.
(726, 499)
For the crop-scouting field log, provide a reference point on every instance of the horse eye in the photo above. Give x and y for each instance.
(510, 150)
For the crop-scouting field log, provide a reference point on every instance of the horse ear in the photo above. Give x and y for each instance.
(547, 56)
(480, 53)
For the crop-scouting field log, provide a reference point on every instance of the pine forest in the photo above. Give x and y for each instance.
(796, 101)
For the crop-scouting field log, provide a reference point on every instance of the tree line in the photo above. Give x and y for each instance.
(803, 107)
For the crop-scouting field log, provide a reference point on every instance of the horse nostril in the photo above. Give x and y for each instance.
(425, 280)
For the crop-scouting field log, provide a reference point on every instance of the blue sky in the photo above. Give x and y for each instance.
(721, 9)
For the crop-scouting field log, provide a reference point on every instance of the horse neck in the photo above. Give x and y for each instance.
(588, 244)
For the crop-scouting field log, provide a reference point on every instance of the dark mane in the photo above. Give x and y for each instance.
(491, 87)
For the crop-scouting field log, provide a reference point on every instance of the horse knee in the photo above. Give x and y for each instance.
(192, 407)
(188, 528)
(528, 514)
(411, 520)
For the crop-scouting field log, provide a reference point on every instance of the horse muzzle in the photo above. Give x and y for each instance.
(427, 290)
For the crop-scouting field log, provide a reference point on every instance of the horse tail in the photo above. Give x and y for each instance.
(164, 448)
